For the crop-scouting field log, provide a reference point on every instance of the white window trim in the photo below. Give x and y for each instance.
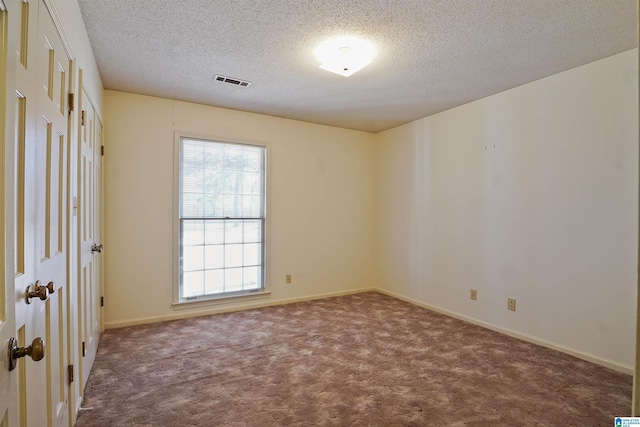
(265, 292)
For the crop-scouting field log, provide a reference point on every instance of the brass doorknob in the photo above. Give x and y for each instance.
(37, 291)
(35, 350)
(51, 287)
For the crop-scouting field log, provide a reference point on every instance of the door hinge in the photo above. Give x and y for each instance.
(102, 150)
(83, 349)
(101, 301)
(83, 115)
(71, 102)
(70, 373)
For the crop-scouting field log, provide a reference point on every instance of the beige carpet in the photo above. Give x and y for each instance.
(359, 360)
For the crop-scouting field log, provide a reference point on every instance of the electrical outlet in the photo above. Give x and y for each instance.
(288, 279)
(511, 304)
(474, 294)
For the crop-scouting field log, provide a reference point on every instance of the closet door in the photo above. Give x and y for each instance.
(90, 248)
(41, 282)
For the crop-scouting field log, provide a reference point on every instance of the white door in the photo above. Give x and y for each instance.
(8, 380)
(89, 191)
(41, 141)
(98, 325)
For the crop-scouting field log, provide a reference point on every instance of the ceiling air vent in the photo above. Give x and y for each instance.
(231, 80)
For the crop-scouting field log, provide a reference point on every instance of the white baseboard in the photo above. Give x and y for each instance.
(226, 309)
(580, 355)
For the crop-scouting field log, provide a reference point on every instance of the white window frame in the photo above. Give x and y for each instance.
(209, 300)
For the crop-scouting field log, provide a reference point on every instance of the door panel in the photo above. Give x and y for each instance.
(89, 311)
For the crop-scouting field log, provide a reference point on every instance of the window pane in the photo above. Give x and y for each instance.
(251, 206)
(192, 155)
(213, 155)
(229, 206)
(252, 160)
(192, 258)
(230, 182)
(214, 257)
(252, 254)
(214, 206)
(214, 232)
(233, 157)
(192, 205)
(233, 231)
(251, 183)
(219, 206)
(232, 255)
(213, 181)
(250, 277)
(193, 181)
(214, 281)
(192, 233)
(192, 284)
(232, 279)
(252, 231)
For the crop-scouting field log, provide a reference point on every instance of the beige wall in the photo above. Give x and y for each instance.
(320, 195)
(528, 194)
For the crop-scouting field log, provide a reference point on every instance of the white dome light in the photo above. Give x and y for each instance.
(345, 55)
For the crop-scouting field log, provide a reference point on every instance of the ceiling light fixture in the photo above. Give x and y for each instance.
(345, 55)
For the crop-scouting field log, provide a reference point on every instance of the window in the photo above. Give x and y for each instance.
(221, 216)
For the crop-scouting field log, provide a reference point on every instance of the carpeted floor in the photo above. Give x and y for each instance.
(359, 360)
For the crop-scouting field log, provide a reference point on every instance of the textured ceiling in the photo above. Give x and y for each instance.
(431, 55)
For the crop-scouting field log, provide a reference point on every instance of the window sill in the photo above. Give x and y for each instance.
(219, 300)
